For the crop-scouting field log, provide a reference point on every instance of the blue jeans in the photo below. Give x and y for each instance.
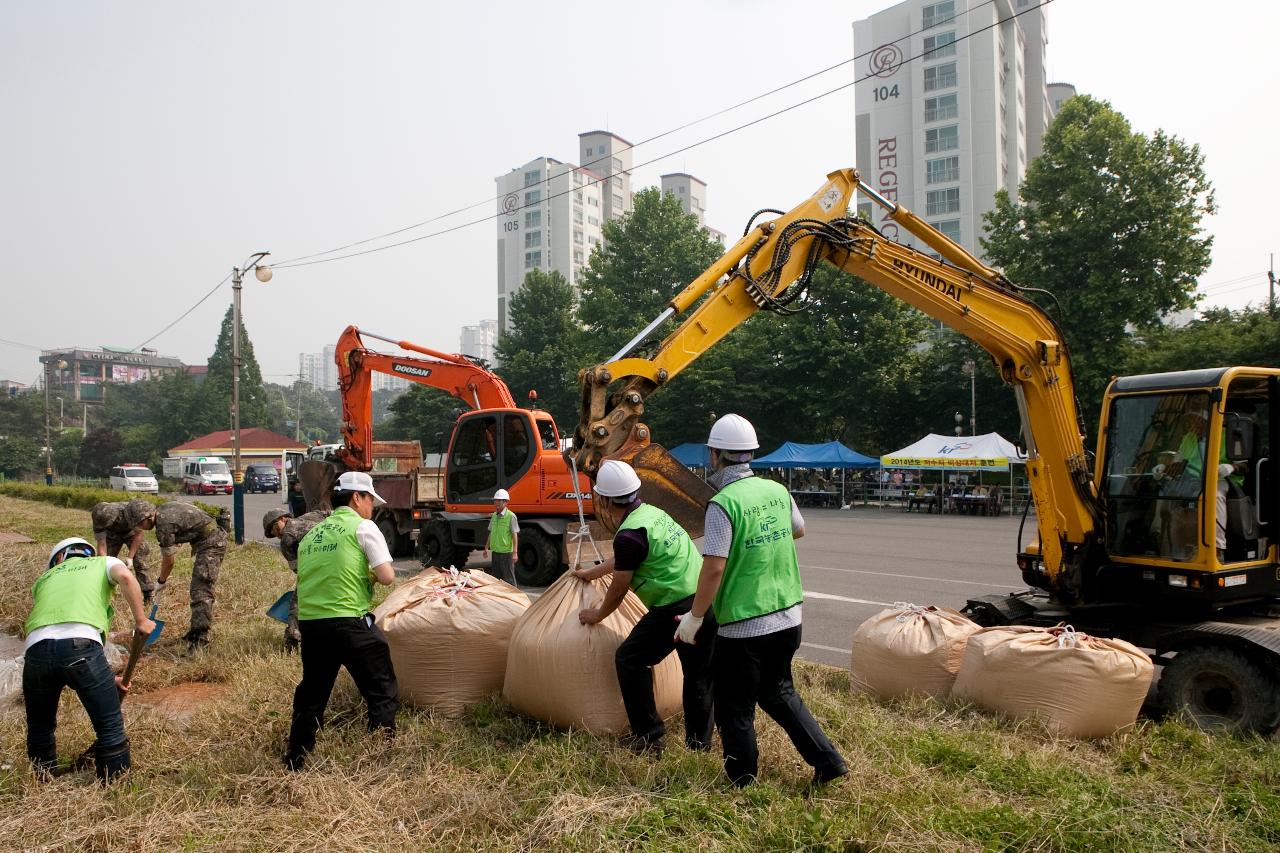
(81, 665)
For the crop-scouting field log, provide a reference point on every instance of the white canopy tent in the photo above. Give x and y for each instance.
(989, 452)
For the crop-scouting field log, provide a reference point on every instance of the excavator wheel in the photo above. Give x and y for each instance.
(397, 542)
(436, 548)
(539, 559)
(1220, 688)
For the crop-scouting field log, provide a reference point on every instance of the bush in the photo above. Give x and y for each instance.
(82, 497)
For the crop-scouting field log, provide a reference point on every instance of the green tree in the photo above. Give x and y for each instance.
(66, 451)
(23, 415)
(544, 350)
(99, 452)
(18, 455)
(423, 413)
(1220, 337)
(1109, 222)
(213, 410)
(318, 416)
(154, 415)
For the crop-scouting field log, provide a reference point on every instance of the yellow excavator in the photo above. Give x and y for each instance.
(1167, 537)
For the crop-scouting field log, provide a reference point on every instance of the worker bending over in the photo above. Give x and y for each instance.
(338, 562)
(280, 524)
(120, 525)
(178, 524)
(654, 556)
(750, 571)
(70, 616)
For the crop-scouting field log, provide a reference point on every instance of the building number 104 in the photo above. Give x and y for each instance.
(884, 93)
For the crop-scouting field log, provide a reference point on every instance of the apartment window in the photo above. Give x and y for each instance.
(593, 202)
(942, 139)
(942, 170)
(681, 190)
(577, 196)
(617, 202)
(532, 239)
(942, 201)
(532, 197)
(577, 215)
(533, 219)
(939, 13)
(594, 241)
(941, 107)
(593, 220)
(532, 177)
(617, 164)
(589, 150)
(940, 77)
(950, 227)
(532, 259)
(577, 235)
(577, 256)
(577, 179)
(943, 44)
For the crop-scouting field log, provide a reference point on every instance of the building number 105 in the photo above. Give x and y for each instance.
(511, 226)
(884, 93)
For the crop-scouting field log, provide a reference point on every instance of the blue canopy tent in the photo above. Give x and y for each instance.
(831, 454)
(692, 455)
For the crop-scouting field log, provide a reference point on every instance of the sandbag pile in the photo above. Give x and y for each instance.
(449, 632)
(562, 672)
(907, 650)
(1085, 686)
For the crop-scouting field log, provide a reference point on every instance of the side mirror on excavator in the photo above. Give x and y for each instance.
(1239, 437)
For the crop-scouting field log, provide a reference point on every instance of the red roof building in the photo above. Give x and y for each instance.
(256, 445)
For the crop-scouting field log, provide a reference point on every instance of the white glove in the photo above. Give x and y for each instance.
(128, 562)
(1226, 469)
(687, 630)
(1158, 471)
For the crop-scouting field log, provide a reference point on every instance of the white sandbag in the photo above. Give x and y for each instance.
(562, 672)
(1085, 686)
(11, 681)
(448, 632)
(908, 650)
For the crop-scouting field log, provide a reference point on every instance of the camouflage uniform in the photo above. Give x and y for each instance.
(181, 524)
(117, 522)
(290, 537)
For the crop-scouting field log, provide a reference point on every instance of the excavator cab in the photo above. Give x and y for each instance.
(491, 449)
(1189, 500)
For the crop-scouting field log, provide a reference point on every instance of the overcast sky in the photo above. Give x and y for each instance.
(151, 146)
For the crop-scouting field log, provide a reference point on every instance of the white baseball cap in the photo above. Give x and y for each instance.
(358, 481)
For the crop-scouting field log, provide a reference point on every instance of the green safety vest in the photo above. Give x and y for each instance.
(1190, 450)
(333, 572)
(670, 572)
(75, 590)
(762, 574)
(500, 532)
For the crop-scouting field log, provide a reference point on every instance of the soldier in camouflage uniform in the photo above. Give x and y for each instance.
(181, 524)
(279, 524)
(120, 525)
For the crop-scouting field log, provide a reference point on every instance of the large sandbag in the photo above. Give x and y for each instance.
(562, 672)
(908, 650)
(1086, 686)
(448, 632)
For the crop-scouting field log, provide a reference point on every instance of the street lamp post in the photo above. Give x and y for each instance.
(263, 274)
(959, 424)
(971, 369)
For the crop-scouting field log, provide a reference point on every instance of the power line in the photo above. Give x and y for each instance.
(1220, 284)
(704, 141)
(20, 344)
(183, 314)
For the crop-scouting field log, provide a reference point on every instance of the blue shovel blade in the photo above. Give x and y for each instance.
(280, 610)
(155, 632)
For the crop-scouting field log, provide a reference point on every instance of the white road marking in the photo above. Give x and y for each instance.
(826, 648)
(909, 577)
(829, 597)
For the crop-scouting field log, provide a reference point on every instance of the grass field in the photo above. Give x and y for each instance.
(926, 775)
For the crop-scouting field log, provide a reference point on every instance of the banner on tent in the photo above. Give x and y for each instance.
(995, 463)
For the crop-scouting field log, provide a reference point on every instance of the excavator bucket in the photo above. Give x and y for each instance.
(670, 486)
(318, 479)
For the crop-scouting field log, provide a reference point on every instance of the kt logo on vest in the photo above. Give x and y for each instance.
(768, 533)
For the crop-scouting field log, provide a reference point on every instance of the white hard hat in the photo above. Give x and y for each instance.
(358, 481)
(617, 479)
(501, 495)
(67, 543)
(733, 432)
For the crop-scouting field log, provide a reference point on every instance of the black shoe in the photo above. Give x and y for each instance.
(293, 762)
(641, 745)
(195, 644)
(825, 776)
(698, 746)
(291, 646)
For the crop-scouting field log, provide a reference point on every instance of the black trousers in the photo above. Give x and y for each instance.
(757, 670)
(648, 644)
(328, 644)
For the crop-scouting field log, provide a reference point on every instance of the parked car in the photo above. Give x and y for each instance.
(207, 475)
(134, 477)
(261, 477)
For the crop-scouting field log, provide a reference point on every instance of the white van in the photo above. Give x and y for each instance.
(206, 475)
(134, 477)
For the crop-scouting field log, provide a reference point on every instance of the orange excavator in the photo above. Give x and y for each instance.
(496, 445)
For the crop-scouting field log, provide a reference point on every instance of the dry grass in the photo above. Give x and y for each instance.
(927, 776)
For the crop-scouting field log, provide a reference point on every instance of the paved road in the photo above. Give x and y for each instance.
(853, 563)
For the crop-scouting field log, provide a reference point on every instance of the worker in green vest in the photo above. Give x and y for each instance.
(751, 573)
(70, 617)
(338, 563)
(654, 556)
(504, 539)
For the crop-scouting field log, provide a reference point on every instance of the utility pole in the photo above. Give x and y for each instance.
(48, 444)
(971, 369)
(237, 476)
(297, 421)
(1271, 279)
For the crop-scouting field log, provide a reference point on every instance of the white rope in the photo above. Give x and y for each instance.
(908, 610)
(459, 583)
(1068, 637)
(584, 529)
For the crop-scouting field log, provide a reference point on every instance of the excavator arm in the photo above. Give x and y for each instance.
(456, 374)
(769, 269)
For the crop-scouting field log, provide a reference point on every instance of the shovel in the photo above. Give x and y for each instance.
(155, 632)
(280, 610)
